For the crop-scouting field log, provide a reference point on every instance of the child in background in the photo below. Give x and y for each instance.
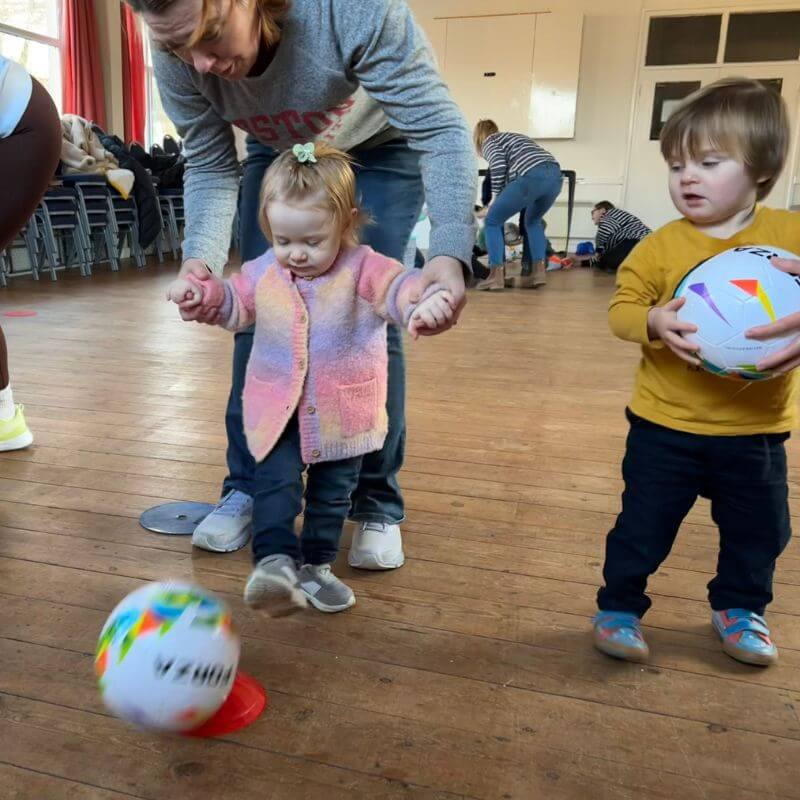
(315, 393)
(693, 433)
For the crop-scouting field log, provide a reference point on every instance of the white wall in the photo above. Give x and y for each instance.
(607, 75)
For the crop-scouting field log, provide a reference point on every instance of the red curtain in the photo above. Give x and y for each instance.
(133, 77)
(81, 70)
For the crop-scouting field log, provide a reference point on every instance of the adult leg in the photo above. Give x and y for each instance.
(390, 188)
(506, 204)
(4, 376)
(509, 202)
(228, 526)
(544, 185)
(28, 161)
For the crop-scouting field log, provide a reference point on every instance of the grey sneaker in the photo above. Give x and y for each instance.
(228, 526)
(324, 590)
(273, 586)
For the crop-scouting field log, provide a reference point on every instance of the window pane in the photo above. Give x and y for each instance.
(666, 99)
(41, 60)
(683, 40)
(158, 123)
(763, 37)
(39, 16)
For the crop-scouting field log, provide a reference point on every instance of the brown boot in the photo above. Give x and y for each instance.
(494, 283)
(539, 277)
(521, 282)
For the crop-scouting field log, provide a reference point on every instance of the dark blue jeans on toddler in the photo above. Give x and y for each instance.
(278, 501)
(665, 471)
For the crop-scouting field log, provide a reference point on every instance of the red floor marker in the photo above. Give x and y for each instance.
(20, 313)
(244, 706)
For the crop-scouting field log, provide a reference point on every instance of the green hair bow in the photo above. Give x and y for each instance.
(304, 153)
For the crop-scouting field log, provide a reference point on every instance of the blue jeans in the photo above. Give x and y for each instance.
(390, 190)
(535, 191)
(278, 501)
(665, 470)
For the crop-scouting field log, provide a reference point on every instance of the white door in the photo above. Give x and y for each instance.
(646, 193)
(488, 65)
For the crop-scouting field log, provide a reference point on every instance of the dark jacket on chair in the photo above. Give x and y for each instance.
(143, 189)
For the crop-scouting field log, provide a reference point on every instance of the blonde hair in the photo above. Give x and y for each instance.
(738, 116)
(483, 130)
(330, 180)
(270, 12)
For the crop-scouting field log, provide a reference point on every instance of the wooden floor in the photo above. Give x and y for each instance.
(468, 673)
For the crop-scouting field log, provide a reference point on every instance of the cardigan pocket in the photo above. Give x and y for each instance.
(258, 396)
(358, 407)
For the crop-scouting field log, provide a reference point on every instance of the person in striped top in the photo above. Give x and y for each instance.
(524, 176)
(618, 232)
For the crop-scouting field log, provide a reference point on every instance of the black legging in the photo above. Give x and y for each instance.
(610, 260)
(28, 161)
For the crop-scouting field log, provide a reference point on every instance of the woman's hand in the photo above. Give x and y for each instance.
(789, 357)
(449, 274)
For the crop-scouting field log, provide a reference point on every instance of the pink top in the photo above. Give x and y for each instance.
(319, 348)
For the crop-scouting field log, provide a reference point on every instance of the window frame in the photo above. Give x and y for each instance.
(42, 39)
(151, 92)
(725, 12)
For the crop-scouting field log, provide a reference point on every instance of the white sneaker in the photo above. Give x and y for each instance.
(376, 545)
(228, 526)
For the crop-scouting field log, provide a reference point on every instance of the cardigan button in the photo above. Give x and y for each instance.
(311, 410)
(316, 453)
(301, 363)
(303, 319)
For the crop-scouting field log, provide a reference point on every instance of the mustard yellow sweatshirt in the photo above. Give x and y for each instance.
(670, 392)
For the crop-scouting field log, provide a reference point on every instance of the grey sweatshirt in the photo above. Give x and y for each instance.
(351, 72)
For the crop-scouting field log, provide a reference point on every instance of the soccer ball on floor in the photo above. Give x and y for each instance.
(167, 657)
(730, 293)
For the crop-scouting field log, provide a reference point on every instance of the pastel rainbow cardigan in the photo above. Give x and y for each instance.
(319, 348)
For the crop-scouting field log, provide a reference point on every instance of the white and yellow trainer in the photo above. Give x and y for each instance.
(14, 432)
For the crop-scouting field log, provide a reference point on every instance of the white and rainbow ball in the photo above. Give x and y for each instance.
(730, 293)
(167, 657)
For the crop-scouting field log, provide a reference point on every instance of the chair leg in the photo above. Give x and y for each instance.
(32, 246)
(111, 248)
(52, 257)
(173, 231)
(159, 248)
(136, 249)
(85, 265)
